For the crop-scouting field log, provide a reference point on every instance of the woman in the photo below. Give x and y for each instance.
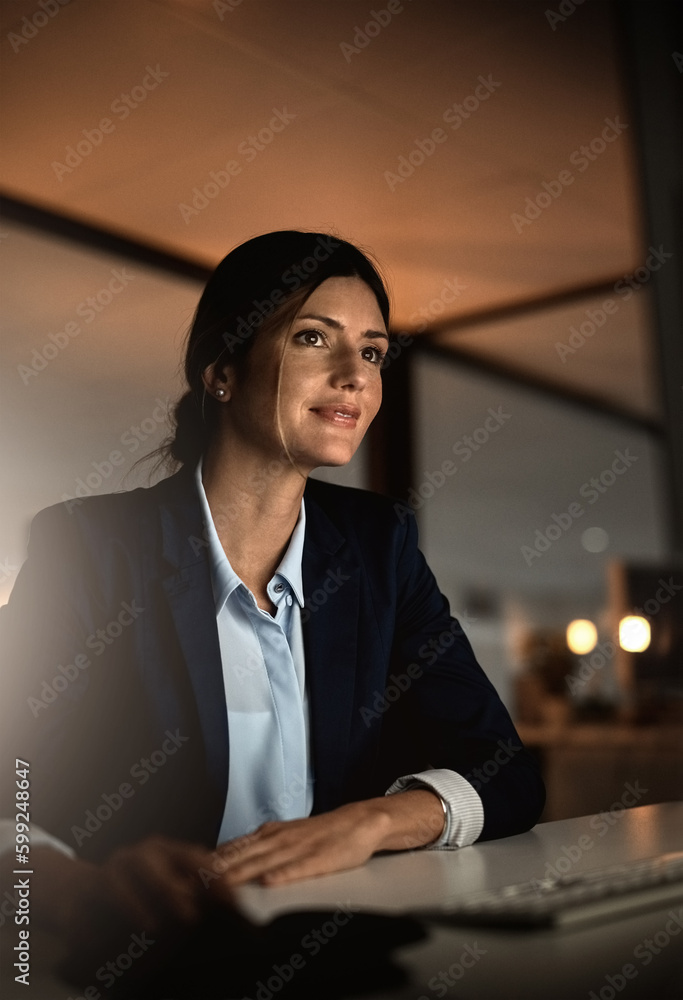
(241, 644)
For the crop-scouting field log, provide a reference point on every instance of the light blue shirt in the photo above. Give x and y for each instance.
(265, 688)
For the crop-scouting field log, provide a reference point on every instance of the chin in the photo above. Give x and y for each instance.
(325, 453)
(332, 458)
(331, 464)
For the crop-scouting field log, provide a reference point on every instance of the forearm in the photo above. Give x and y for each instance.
(409, 819)
(344, 838)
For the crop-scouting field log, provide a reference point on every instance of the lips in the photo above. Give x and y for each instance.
(341, 414)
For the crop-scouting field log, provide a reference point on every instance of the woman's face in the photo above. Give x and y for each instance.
(330, 383)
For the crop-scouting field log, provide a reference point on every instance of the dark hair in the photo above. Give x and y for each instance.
(260, 283)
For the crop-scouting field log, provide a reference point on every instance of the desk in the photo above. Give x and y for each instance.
(526, 965)
(538, 965)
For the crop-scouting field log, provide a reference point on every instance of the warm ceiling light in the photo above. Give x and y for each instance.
(582, 636)
(634, 633)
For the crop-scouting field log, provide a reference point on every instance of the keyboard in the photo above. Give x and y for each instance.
(572, 900)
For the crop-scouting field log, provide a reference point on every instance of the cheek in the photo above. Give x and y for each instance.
(300, 388)
(376, 398)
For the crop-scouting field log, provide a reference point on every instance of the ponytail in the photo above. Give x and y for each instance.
(191, 430)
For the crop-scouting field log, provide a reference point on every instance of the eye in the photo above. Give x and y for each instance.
(310, 338)
(374, 355)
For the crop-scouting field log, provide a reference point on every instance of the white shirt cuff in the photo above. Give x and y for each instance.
(37, 838)
(465, 812)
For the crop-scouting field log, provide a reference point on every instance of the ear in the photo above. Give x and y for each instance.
(218, 381)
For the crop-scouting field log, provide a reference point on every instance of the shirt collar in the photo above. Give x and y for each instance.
(223, 577)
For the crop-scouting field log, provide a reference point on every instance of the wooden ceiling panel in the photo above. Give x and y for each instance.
(359, 117)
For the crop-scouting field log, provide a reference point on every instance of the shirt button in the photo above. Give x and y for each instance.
(279, 587)
(289, 600)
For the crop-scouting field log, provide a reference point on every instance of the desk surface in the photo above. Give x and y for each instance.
(548, 965)
(475, 964)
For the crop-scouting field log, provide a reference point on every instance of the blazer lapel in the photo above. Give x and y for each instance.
(190, 597)
(330, 629)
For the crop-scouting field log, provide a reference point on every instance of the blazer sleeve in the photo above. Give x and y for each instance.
(42, 630)
(95, 682)
(455, 712)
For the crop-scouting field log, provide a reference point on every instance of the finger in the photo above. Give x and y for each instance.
(326, 859)
(277, 854)
(155, 881)
(260, 843)
(232, 850)
(138, 910)
(295, 870)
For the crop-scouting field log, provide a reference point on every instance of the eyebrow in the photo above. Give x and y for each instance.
(336, 325)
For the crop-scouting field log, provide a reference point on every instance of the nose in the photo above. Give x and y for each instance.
(348, 370)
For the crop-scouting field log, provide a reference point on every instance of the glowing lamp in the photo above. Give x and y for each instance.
(634, 633)
(582, 636)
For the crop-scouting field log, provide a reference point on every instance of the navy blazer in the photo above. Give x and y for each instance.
(115, 691)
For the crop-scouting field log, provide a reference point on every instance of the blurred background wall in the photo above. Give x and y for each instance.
(515, 168)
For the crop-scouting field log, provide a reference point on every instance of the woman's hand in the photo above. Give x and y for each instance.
(152, 893)
(157, 882)
(344, 838)
(147, 886)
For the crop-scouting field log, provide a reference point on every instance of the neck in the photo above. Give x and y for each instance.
(255, 504)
